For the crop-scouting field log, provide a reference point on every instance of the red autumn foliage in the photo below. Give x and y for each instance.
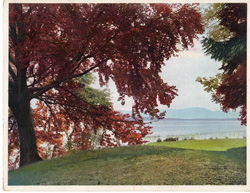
(51, 123)
(233, 88)
(234, 17)
(50, 44)
(233, 92)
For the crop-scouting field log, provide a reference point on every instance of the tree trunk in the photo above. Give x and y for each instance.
(19, 96)
(20, 107)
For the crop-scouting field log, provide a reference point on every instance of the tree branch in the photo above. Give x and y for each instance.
(92, 106)
(12, 125)
(81, 107)
(54, 84)
(42, 90)
(91, 55)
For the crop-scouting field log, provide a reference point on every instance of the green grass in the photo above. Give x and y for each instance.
(209, 145)
(213, 162)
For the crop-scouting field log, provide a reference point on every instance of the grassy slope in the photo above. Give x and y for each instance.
(167, 163)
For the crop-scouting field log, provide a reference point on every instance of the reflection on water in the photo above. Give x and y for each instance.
(196, 129)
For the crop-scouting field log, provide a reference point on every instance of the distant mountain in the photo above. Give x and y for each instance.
(196, 113)
(199, 113)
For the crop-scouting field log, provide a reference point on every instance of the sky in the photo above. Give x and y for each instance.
(181, 72)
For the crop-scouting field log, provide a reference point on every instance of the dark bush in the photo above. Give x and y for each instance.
(172, 139)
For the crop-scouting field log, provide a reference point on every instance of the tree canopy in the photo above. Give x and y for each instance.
(50, 45)
(231, 51)
(211, 21)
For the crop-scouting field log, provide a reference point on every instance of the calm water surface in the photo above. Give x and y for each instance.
(198, 129)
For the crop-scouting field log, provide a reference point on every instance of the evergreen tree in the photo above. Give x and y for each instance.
(231, 92)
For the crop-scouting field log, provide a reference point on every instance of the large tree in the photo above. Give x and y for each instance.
(230, 49)
(52, 124)
(50, 44)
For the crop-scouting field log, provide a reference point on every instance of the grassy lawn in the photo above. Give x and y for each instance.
(209, 145)
(201, 162)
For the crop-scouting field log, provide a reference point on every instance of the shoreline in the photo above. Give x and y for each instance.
(198, 136)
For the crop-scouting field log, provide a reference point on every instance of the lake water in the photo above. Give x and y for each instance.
(196, 129)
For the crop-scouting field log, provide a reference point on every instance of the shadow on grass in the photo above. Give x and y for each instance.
(237, 154)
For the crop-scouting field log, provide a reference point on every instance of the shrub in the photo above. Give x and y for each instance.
(158, 140)
(172, 139)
